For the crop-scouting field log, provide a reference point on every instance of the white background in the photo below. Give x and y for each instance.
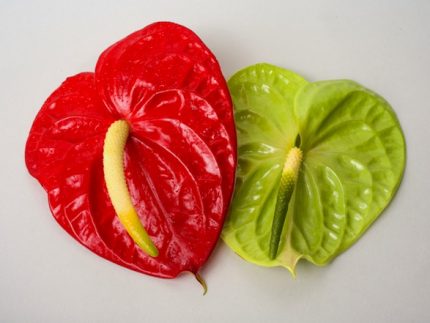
(45, 276)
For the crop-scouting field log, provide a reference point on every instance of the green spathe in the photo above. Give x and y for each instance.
(353, 161)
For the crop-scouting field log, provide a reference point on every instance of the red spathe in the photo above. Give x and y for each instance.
(180, 157)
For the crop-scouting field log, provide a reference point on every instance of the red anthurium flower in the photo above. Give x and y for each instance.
(179, 158)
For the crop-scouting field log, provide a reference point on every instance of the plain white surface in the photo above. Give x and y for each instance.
(45, 276)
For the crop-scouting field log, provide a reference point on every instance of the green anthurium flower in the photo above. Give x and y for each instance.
(318, 163)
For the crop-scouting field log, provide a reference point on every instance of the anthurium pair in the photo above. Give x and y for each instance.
(139, 158)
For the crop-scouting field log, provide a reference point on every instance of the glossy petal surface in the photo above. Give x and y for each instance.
(354, 135)
(263, 97)
(354, 157)
(159, 57)
(179, 159)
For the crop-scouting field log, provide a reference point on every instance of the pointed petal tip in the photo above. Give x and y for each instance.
(290, 263)
(202, 282)
(292, 271)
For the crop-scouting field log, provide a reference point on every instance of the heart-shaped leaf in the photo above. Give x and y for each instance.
(178, 161)
(353, 160)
